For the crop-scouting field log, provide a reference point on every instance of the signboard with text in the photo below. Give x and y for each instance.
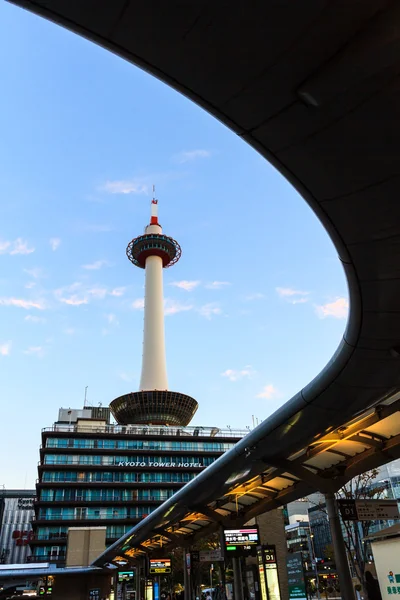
(296, 581)
(159, 566)
(368, 510)
(241, 542)
(158, 464)
(268, 572)
(210, 555)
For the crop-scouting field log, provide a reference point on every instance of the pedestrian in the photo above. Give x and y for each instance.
(372, 585)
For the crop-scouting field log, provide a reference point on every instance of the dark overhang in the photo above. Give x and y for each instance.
(314, 87)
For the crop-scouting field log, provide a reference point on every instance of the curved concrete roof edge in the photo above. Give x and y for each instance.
(290, 426)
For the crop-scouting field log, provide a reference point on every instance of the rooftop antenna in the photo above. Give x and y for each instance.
(84, 402)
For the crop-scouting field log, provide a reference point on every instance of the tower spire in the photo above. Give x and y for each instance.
(154, 208)
(154, 403)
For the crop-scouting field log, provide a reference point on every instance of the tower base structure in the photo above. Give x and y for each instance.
(154, 407)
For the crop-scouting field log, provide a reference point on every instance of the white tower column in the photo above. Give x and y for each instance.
(154, 367)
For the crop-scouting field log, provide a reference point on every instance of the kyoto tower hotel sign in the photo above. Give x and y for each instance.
(154, 404)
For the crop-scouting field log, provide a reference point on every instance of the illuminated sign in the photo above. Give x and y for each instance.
(158, 566)
(268, 568)
(241, 542)
(165, 465)
(123, 575)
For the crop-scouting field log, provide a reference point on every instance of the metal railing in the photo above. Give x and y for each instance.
(147, 430)
(60, 557)
(86, 517)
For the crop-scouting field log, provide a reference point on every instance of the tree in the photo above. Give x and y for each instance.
(362, 487)
(200, 571)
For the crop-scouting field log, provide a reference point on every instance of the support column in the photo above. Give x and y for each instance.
(138, 582)
(186, 580)
(237, 579)
(342, 565)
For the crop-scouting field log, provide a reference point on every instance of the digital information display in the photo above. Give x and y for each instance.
(241, 542)
(123, 575)
(159, 566)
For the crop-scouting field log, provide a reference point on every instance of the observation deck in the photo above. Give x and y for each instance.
(153, 244)
(154, 407)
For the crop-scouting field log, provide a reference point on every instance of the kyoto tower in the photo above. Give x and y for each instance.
(154, 404)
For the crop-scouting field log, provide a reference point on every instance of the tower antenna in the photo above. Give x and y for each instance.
(84, 402)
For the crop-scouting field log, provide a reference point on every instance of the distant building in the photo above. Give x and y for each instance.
(319, 525)
(16, 513)
(298, 539)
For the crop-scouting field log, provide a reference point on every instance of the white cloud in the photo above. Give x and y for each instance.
(255, 296)
(77, 294)
(128, 186)
(235, 375)
(185, 285)
(18, 246)
(34, 319)
(30, 285)
(69, 331)
(4, 247)
(96, 265)
(190, 155)
(74, 300)
(35, 351)
(171, 307)
(293, 296)
(35, 272)
(112, 319)
(217, 285)
(269, 391)
(119, 291)
(209, 310)
(5, 348)
(138, 304)
(54, 243)
(22, 303)
(98, 293)
(338, 309)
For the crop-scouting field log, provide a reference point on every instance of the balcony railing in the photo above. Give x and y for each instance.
(147, 430)
(86, 517)
(49, 557)
(49, 537)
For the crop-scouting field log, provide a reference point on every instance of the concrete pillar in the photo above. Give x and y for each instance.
(272, 531)
(237, 579)
(342, 564)
(84, 545)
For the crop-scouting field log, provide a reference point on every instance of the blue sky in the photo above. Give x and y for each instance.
(255, 307)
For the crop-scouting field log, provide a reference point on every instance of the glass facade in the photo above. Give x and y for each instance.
(106, 495)
(117, 476)
(88, 513)
(101, 475)
(128, 444)
(141, 459)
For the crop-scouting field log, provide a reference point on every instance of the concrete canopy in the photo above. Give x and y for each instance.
(314, 87)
